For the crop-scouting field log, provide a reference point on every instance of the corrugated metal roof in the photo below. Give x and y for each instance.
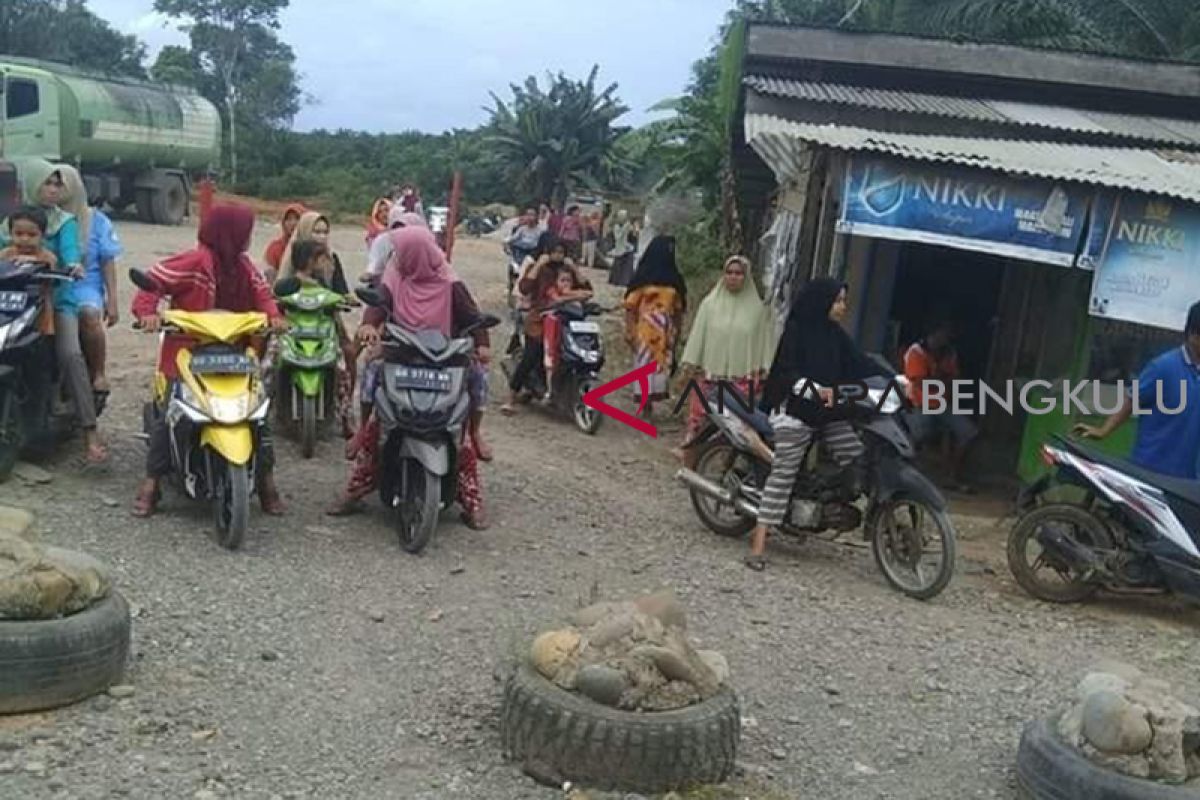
(776, 141)
(1054, 117)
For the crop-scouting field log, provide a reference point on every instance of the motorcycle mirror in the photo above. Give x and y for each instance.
(286, 287)
(370, 296)
(141, 280)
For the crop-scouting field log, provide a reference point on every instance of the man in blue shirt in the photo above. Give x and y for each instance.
(1166, 443)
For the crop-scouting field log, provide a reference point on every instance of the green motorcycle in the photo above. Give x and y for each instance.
(308, 357)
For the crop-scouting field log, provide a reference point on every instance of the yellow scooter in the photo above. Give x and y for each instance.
(214, 412)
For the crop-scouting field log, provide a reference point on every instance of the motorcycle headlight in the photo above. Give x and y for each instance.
(230, 409)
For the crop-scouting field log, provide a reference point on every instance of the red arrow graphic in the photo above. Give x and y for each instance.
(641, 376)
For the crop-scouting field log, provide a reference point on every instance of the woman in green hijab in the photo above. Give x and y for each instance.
(42, 185)
(732, 341)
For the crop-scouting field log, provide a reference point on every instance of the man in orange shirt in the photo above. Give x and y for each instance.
(934, 361)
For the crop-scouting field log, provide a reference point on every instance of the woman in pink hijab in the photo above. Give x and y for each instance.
(425, 294)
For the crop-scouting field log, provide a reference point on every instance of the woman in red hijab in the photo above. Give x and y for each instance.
(273, 255)
(217, 274)
(377, 223)
(425, 294)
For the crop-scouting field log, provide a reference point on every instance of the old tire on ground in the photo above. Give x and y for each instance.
(1049, 769)
(558, 736)
(170, 202)
(50, 663)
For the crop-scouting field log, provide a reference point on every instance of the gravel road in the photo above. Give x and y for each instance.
(322, 662)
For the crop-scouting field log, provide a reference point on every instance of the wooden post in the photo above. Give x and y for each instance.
(204, 192)
(452, 216)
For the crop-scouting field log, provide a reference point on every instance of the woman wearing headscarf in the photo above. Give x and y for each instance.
(216, 275)
(96, 291)
(43, 186)
(377, 222)
(423, 293)
(654, 306)
(273, 255)
(314, 227)
(816, 348)
(731, 343)
(621, 257)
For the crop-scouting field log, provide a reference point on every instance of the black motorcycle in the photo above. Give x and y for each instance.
(905, 519)
(33, 411)
(580, 359)
(1126, 530)
(422, 404)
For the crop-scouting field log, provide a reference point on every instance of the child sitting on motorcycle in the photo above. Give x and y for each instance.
(26, 232)
(216, 275)
(561, 291)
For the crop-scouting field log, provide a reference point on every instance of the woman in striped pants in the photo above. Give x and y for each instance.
(814, 348)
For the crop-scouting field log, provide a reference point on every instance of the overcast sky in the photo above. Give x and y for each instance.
(392, 65)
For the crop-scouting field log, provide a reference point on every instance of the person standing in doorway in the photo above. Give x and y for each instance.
(1167, 443)
(934, 361)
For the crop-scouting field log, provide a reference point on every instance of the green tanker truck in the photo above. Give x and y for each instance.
(136, 143)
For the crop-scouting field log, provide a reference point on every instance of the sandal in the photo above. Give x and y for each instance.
(756, 563)
(96, 455)
(484, 452)
(479, 523)
(508, 410)
(271, 502)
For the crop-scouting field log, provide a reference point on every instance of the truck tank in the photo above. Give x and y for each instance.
(110, 122)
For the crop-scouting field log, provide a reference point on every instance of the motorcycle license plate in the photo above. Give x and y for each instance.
(434, 380)
(585, 327)
(12, 301)
(226, 363)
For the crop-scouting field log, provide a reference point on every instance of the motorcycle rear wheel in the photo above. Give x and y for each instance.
(899, 551)
(308, 426)
(416, 516)
(231, 502)
(718, 462)
(1069, 587)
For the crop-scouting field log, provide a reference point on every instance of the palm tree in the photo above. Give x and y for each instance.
(556, 139)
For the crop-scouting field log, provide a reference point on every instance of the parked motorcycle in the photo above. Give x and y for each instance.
(1133, 531)
(580, 359)
(905, 519)
(422, 406)
(308, 356)
(214, 412)
(33, 410)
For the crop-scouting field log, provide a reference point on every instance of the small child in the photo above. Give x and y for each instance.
(26, 231)
(562, 290)
(311, 262)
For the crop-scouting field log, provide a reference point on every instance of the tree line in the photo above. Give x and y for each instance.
(548, 137)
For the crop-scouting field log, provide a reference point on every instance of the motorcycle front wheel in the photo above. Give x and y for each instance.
(231, 501)
(10, 432)
(587, 419)
(416, 513)
(914, 546)
(308, 426)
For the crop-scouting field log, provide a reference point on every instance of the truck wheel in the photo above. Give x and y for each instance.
(170, 202)
(559, 736)
(145, 205)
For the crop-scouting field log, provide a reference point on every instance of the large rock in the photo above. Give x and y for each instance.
(1112, 724)
(15, 522)
(665, 607)
(44, 583)
(601, 683)
(552, 649)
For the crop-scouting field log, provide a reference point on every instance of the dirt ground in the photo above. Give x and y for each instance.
(322, 662)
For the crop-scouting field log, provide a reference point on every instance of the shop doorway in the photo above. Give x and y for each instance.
(961, 287)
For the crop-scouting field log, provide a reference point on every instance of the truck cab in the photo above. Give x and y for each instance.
(30, 122)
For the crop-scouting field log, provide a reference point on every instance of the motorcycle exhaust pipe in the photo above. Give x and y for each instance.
(697, 482)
